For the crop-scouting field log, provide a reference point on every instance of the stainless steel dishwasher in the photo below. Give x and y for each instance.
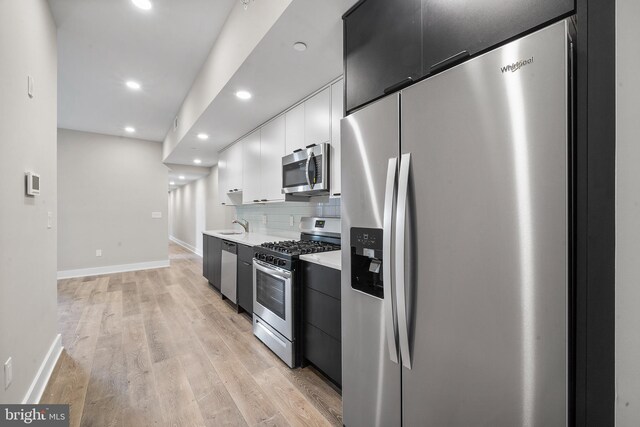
(229, 272)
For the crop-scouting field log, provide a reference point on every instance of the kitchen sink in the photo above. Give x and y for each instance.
(227, 233)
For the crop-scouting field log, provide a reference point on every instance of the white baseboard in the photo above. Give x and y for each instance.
(110, 269)
(44, 373)
(185, 245)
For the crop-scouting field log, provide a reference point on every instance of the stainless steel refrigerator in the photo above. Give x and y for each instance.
(455, 231)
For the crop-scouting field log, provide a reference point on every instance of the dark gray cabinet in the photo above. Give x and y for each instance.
(382, 47)
(389, 44)
(469, 27)
(322, 345)
(245, 278)
(212, 259)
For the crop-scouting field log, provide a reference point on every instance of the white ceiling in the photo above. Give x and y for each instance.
(277, 75)
(188, 174)
(103, 43)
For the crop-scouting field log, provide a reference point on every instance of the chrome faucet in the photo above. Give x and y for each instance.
(244, 224)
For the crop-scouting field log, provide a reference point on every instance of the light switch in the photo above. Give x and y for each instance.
(156, 215)
(49, 219)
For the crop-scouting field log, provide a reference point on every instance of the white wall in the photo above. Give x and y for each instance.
(108, 188)
(627, 214)
(28, 318)
(195, 207)
(240, 34)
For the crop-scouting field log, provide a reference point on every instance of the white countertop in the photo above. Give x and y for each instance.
(249, 239)
(332, 259)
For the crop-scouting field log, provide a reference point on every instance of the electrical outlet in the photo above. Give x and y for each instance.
(291, 220)
(264, 219)
(49, 219)
(8, 373)
(98, 252)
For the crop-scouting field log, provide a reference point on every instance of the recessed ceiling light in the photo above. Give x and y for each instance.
(142, 4)
(181, 177)
(203, 136)
(300, 46)
(130, 129)
(133, 85)
(243, 94)
(197, 161)
(172, 183)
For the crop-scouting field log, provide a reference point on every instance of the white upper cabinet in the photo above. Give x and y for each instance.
(234, 167)
(230, 174)
(222, 177)
(317, 118)
(251, 169)
(253, 166)
(337, 112)
(294, 119)
(272, 148)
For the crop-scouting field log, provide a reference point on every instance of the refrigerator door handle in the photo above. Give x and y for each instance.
(389, 315)
(400, 284)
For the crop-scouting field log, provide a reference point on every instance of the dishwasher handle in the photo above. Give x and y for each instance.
(229, 247)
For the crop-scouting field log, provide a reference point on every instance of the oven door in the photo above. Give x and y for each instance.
(306, 171)
(272, 297)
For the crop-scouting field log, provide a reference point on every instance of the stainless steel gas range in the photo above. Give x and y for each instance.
(277, 288)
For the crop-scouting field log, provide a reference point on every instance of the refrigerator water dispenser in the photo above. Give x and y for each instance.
(366, 260)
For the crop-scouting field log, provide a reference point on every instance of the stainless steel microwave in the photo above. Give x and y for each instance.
(306, 171)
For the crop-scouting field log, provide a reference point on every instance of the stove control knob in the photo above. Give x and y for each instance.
(270, 258)
(282, 262)
(262, 257)
(256, 255)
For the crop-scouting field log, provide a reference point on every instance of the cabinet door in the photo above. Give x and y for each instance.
(245, 286)
(294, 123)
(450, 27)
(223, 177)
(251, 168)
(234, 166)
(272, 142)
(337, 112)
(215, 246)
(317, 118)
(205, 257)
(382, 47)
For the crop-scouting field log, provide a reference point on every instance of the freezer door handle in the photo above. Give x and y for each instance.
(400, 284)
(389, 315)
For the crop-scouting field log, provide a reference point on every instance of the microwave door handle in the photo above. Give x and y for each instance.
(389, 315)
(306, 174)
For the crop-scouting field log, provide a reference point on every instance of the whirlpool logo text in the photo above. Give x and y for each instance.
(516, 65)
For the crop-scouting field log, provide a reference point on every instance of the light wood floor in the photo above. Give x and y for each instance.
(160, 347)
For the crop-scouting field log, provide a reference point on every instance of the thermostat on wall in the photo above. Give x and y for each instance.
(33, 184)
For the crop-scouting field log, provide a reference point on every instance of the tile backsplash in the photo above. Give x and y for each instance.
(278, 214)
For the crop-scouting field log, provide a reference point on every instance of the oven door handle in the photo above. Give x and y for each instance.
(271, 270)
